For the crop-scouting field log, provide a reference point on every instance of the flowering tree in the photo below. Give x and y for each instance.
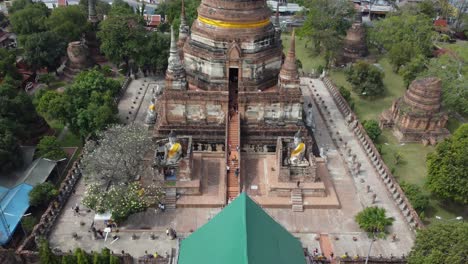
(111, 165)
(117, 155)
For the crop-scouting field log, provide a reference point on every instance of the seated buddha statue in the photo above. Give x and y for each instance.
(151, 113)
(298, 151)
(172, 150)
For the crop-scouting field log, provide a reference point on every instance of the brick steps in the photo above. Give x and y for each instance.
(296, 200)
(170, 198)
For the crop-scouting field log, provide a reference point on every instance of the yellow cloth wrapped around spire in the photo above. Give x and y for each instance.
(298, 150)
(174, 150)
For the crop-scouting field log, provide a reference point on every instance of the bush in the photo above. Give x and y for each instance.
(42, 194)
(366, 79)
(372, 128)
(320, 69)
(50, 148)
(28, 223)
(414, 193)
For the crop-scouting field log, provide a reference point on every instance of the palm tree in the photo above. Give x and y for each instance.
(374, 221)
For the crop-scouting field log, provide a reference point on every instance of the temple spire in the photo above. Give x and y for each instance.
(277, 21)
(175, 74)
(289, 76)
(184, 31)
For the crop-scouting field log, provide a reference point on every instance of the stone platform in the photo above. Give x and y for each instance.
(208, 176)
(262, 184)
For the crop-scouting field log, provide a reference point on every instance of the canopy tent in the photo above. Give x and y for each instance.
(242, 233)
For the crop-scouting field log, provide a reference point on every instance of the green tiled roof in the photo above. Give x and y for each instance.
(242, 233)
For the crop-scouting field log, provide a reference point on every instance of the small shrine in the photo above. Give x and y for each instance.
(417, 116)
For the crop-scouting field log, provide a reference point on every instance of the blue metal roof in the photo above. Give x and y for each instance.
(13, 204)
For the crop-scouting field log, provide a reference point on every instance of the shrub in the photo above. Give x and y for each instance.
(366, 79)
(372, 128)
(42, 194)
(28, 223)
(50, 148)
(374, 221)
(418, 199)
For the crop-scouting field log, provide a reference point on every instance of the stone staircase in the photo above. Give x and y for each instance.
(296, 200)
(170, 198)
(233, 159)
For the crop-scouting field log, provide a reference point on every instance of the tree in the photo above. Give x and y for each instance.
(117, 155)
(10, 153)
(68, 259)
(156, 52)
(172, 9)
(42, 194)
(374, 221)
(440, 243)
(28, 223)
(122, 35)
(8, 64)
(404, 36)
(43, 49)
(18, 5)
(452, 71)
(86, 106)
(46, 78)
(372, 129)
(412, 69)
(45, 253)
(418, 199)
(30, 19)
(447, 167)
(326, 24)
(366, 79)
(50, 148)
(69, 22)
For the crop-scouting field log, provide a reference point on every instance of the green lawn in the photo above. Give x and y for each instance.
(370, 108)
(309, 61)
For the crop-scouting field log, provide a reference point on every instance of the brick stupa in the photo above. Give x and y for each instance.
(417, 116)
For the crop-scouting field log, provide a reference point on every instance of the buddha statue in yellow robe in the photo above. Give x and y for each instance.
(298, 150)
(172, 150)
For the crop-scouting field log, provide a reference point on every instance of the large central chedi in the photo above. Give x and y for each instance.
(228, 66)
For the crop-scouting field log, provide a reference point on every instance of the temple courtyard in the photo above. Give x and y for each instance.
(327, 223)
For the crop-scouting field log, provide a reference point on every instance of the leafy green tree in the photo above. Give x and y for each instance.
(412, 69)
(415, 194)
(172, 10)
(122, 36)
(427, 8)
(50, 148)
(326, 24)
(52, 105)
(69, 22)
(45, 253)
(30, 19)
(447, 175)
(372, 129)
(10, 153)
(8, 64)
(16, 110)
(452, 71)
(156, 52)
(374, 221)
(18, 5)
(366, 79)
(43, 49)
(86, 106)
(440, 243)
(404, 36)
(46, 78)
(42, 194)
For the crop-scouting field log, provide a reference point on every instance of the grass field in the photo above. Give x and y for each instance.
(309, 61)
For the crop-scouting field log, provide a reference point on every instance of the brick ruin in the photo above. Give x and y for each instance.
(233, 92)
(417, 116)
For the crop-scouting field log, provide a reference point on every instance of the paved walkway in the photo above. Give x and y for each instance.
(134, 103)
